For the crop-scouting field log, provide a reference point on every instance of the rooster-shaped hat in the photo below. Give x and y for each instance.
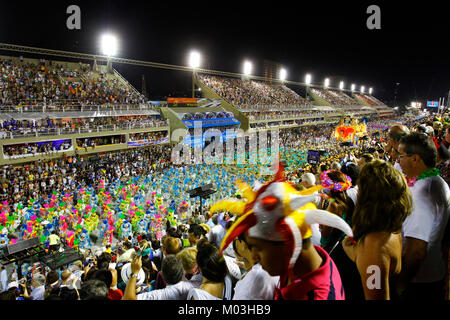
(276, 211)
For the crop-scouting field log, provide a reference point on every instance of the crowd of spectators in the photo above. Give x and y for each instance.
(369, 99)
(282, 114)
(36, 148)
(48, 82)
(16, 128)
(153, 136)
(387, 189)
(335, 98)
(85, 143)
(36, 180)
(250, 93)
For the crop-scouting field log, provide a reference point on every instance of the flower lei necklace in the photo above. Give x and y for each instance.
(426, 174)
(329, 184)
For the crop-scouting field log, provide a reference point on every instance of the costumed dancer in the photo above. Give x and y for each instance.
(126, 230)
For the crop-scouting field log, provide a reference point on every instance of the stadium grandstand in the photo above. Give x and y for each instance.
(51, 107)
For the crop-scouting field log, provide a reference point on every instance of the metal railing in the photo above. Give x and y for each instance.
(285, 117)
(42, 132)
(74, 108)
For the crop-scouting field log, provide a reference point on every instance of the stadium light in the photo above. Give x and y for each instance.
(194, 60)
(194, 63)
(308, 79)
(109, 45)
(247, 68)
(362, 89)
(370, 90)
(283, 74)
(341, 85)
(353, 87)
(326, 83)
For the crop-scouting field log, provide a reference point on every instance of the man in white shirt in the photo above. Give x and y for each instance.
(38, 287)
(176, 288)
(423, 267)
(217, 232)
(4, 278)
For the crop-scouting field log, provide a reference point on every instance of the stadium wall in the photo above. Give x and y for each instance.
(175, 121)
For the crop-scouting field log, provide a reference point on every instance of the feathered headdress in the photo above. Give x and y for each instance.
(277, 212)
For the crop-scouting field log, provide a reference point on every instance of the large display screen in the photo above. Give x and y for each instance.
(433, 104)
(313, 157)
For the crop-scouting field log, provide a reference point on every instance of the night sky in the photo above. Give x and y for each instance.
(326, 39)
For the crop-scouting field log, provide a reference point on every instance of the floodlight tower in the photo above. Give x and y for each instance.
(308, 82)
(194, 63)
(283, 74)
(326, 83)
(109, 48)
(341, 85)
(248, 68)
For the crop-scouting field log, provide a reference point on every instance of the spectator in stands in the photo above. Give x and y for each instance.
(308, 180)
(188, 258)
(196, 232)
(396, 132)
(94, 290)
(217, 232)
(38, 287)
(176, 289)
(336, 184)
(216, 284)
(365, 158)
(383, 204)
(256, 283)
(422, 275)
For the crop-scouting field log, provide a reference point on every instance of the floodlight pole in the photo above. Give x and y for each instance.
(109, 65)
(448, 99)
(193, 75)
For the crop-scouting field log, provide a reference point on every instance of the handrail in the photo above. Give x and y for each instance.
(76, 107)
(67, 131)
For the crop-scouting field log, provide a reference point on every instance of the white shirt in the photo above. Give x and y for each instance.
(200, 294)
(177, 291)
(216, 235)
(427, 222)
(4, 280)
(38, 293)
(256, 285)
(353, 193)
(398, 167)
